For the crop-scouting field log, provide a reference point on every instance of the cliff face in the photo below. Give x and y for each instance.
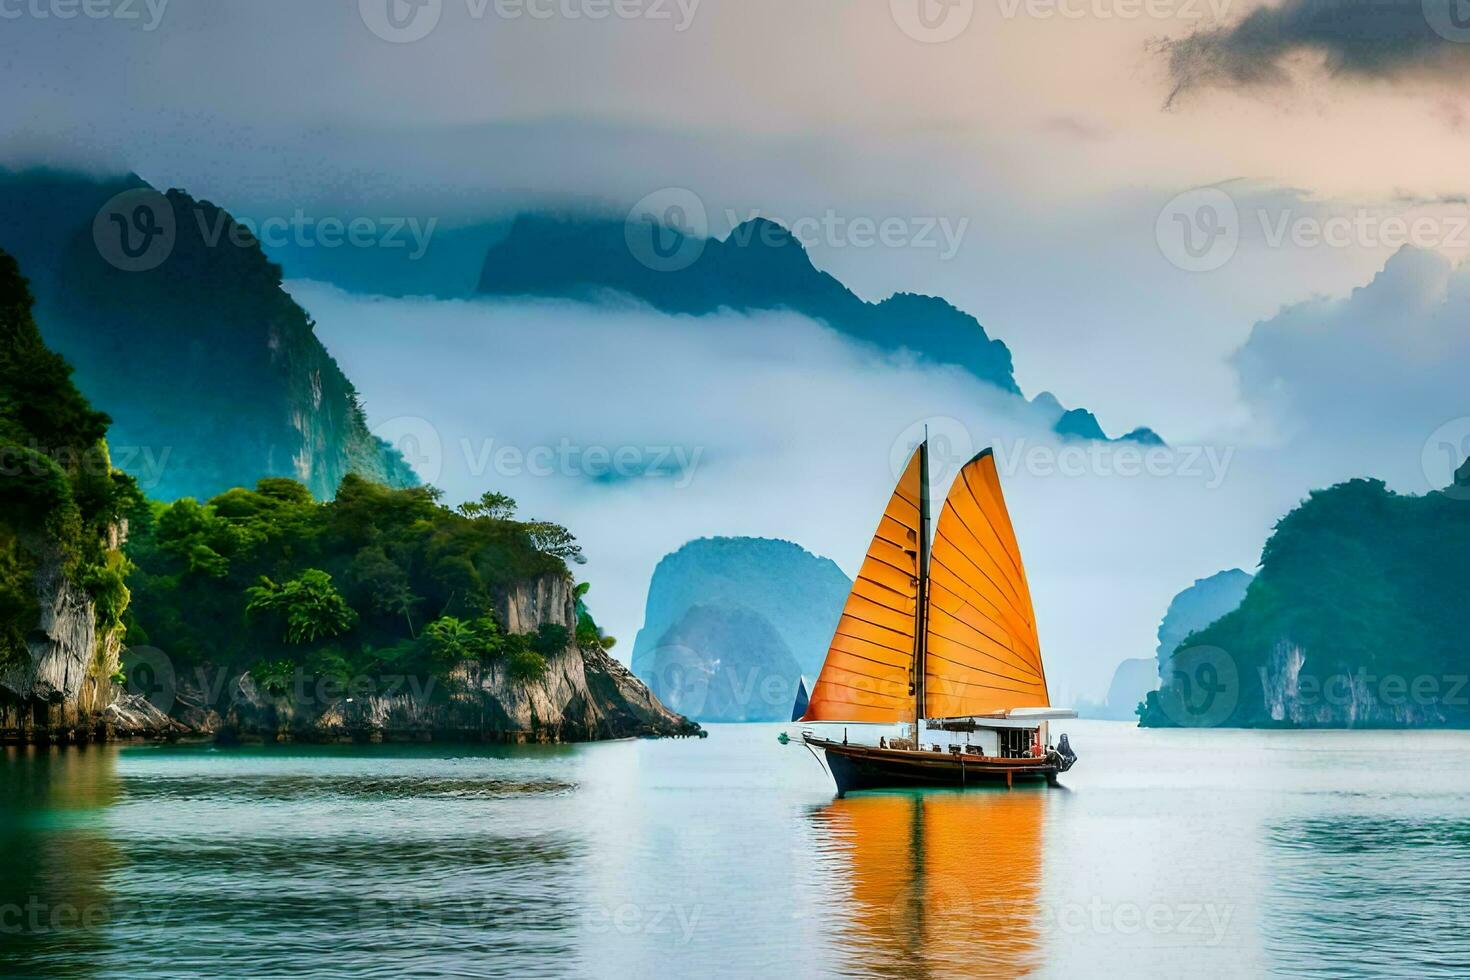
(212, 374)
(1355, 620)
(1131, 683)
(725, 664)
(583, 695)
(61, 689)
(61, 531)
(731, 624)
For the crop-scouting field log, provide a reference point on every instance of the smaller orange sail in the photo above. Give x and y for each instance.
(867, 673)
(982, 654)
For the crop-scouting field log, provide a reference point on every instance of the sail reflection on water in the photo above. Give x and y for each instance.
(939, 883)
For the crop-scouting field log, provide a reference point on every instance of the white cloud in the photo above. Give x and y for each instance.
(792, 432)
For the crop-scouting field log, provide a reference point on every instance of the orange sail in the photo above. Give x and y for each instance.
(867, 676)
(982, 655)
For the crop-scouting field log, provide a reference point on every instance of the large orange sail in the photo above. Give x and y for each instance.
(867, 674)
(982, 653)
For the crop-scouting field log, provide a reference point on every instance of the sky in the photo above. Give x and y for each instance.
(1186, 214)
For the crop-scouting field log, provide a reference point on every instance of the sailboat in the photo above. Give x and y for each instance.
(940, 637)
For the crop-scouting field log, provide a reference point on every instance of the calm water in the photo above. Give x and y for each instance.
(1169, 854)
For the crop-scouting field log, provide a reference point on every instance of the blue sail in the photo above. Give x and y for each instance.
(799, 709)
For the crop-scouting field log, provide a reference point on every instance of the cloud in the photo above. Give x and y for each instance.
(1377, 376)
(641, 431)
(1355, 39)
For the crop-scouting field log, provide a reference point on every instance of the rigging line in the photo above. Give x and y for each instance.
(865, 656)
(1000, 661)
(907, 572)
(987, 553)
(1009, 609)
(966, 665)
(847, 614)
(898, 669)
(1003, 613)
(998, 616)
(1000, 503)
(1016, 654)
(881, 605)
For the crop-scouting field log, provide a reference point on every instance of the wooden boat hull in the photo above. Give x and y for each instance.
(859, 767)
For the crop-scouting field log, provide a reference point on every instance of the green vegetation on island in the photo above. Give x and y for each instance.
(60, 498)
(377, 583)
(1356, 619)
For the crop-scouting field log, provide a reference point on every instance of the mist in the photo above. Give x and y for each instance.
(641, 431)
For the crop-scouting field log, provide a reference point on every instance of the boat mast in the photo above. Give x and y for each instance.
(921, 613)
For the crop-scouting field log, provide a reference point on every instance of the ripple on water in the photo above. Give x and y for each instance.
(1365, 895)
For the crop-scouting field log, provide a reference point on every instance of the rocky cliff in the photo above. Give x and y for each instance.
(178, 328)
(61, 530)
(1355, 620)
(731, 624)
(583, 695)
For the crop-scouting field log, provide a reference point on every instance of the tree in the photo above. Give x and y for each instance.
(555, 540)
(496, 506)
(310, 605)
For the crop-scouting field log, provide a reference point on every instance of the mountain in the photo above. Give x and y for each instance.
(62, 523)
(738, 613)
(1197, 607)
(1132, 681)
(1355, 619)
(1193, 609)
(1079, 423)
(178, 328)
(380, 614)
(759, 266)
(725, 663)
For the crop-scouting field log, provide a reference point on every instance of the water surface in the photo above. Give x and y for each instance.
(1168, 854)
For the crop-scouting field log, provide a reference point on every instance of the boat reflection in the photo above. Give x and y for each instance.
(942, 883)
